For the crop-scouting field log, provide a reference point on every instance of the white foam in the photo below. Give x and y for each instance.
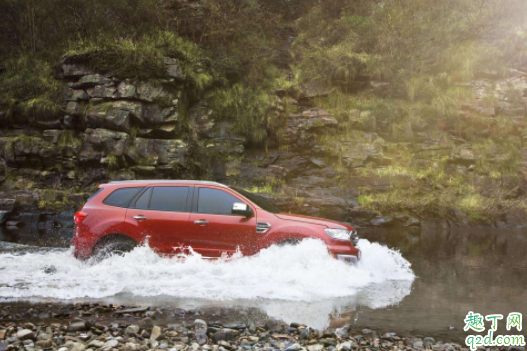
(304, 272)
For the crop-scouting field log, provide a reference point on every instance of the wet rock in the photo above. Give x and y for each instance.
(3, 216)
(294, 347)
(381, 221)
(25, 334)
(412, 222)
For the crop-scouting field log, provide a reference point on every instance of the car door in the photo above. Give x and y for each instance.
(214, 230)
(160, 215)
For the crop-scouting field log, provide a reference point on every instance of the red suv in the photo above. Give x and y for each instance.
(212, 218)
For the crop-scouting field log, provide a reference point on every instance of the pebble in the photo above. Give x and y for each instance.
(96, 343)
(25, 334)
(156, 332)
(134, 331)
(110, 344)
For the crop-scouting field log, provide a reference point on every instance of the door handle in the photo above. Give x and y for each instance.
(201, 222)
(139, 218)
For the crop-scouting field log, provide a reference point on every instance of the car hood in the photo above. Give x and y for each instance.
(313, 220)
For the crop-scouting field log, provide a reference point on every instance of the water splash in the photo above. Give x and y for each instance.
(304, 272)
(293, 283)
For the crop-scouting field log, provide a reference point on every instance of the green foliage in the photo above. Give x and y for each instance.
(113, 162)
(28, 91)
(68, 138)
(250, 109)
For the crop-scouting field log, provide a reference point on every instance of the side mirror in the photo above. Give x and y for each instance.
(242, 209)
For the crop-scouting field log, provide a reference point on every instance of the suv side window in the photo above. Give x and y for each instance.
(144, 200)
(215, 201)
(169, 198)
(121, 197)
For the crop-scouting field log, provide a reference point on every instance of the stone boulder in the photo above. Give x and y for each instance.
(173, 68)
(316, 88)
(91, 80)
(150, 92)
(125, 90)
(155, 115)
(301, 126)
(158, 152)
(75, 94)
(75, 70)
(201, 121)
(106, 91)
(102, 142)
(114, 118)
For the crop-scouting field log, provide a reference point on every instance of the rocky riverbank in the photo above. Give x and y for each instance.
(94, 327)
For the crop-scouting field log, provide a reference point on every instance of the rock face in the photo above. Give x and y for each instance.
(316, 163)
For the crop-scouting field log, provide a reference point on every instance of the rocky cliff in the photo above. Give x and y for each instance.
(116, 129)
(327, 109)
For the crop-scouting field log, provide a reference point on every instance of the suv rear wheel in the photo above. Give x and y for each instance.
(113, 246)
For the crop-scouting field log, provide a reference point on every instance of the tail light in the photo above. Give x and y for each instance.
(79, 217)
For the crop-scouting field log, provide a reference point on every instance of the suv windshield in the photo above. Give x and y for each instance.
(259, 201)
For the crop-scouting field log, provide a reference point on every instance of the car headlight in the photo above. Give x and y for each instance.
(340, 234)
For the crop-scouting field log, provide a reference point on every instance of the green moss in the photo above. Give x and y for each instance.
(28, 91)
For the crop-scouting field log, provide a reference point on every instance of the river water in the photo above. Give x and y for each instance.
(409, 281)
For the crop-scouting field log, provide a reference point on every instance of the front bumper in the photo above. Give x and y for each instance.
(349, 259)
(345, 253)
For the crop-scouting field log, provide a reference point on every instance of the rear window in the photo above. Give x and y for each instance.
(121, 197)
(169, 198)
(95, 193)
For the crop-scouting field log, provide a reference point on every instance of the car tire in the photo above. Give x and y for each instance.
(111, 247)
(290, 242)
